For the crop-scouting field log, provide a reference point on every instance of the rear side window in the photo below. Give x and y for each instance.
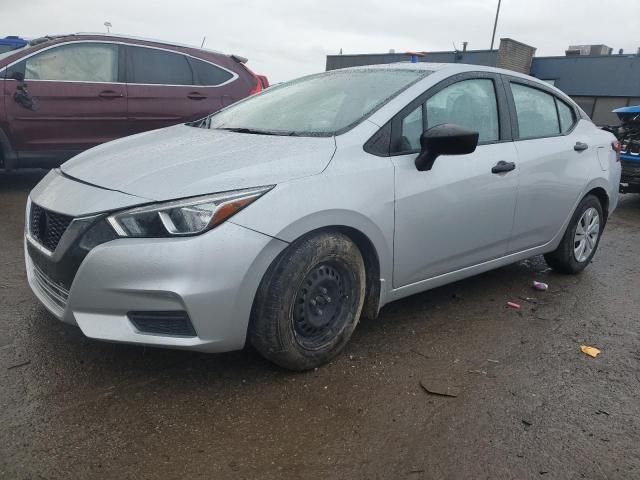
(207, 74)
(536, 111)
(567, 117)
(79, 62)
(157, 67)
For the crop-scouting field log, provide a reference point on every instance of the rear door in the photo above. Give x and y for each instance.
(459, 213)
(554, 158)
(77, 100)
(166, 87)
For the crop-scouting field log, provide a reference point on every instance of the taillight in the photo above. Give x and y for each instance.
(264, 80)
(257, 88)
(616, 148)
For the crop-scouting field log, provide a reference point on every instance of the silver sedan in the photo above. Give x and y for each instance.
(286, 218)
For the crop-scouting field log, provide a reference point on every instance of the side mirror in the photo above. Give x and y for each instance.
(445, 139)
(19, 76)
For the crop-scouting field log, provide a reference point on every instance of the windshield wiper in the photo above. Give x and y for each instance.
(246, 130)
(257, 132)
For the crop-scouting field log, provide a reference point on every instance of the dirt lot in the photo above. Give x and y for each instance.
(530, 404)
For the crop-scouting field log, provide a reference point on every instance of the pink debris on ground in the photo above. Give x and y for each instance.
(513, 305)
(540, 286)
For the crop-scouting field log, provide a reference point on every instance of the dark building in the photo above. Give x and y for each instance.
(597, 82)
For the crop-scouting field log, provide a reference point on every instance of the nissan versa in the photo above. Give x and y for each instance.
(285, 218)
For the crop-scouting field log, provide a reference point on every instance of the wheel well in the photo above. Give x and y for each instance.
(601, 195)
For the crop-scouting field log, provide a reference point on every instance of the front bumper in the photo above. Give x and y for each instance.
(213, 277)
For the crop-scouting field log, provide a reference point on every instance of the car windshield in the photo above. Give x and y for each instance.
(318, 105)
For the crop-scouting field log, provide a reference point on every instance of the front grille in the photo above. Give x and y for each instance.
(171, 323)
(47, 226)
(55, 292)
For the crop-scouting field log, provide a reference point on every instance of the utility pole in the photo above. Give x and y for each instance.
(495, 24)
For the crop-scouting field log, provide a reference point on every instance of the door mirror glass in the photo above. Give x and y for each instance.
(445, 139)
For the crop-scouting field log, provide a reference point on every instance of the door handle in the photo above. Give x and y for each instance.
(580, 146)
(503, 167)
(110, 94)
(196, 96)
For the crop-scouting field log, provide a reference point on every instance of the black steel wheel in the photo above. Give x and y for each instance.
(309, 301)
(318, 312)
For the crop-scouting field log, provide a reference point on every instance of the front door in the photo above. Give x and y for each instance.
(73, 101)
(459, 213)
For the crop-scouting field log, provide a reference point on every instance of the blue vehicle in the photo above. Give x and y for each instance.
(628, 134)
(11, 42)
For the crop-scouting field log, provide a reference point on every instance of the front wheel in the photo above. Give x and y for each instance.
(580, 241)
(309, 302)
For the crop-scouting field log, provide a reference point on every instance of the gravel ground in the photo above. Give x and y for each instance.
(529, 404)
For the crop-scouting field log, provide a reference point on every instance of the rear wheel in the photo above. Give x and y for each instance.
(309, 302)
(580, 241)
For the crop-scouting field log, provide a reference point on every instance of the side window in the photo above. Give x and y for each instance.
(157, 67)
(536, 111)
(79, 62)
(471, 104)
(207, 74)
(567, 117)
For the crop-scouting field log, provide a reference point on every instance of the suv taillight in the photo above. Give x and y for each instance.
(616, 148)
(264, 80)
(257, 88)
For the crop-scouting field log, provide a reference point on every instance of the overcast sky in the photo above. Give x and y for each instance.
(284, 39)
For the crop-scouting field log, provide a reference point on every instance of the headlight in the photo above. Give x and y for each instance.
(189, 216)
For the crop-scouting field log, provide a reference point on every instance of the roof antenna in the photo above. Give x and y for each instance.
(203, 40)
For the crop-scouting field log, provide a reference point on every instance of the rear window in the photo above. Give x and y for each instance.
(157, 67)
(207, 74)
(536, 111)
(323, 104)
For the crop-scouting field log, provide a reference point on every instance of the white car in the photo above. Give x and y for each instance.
(288, 216)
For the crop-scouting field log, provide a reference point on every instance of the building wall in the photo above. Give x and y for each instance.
(611, 75)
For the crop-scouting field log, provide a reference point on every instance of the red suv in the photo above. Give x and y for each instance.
(62, 95)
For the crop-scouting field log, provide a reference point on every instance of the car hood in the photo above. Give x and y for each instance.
(183, 161)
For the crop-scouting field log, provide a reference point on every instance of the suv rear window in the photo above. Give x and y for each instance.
(157, 67)
(207, 74)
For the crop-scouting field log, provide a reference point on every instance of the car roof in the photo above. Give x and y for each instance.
(143, 39)
(451, 68)
(115, 37)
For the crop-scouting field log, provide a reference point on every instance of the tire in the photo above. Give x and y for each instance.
(568, 258)
(309, 302)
